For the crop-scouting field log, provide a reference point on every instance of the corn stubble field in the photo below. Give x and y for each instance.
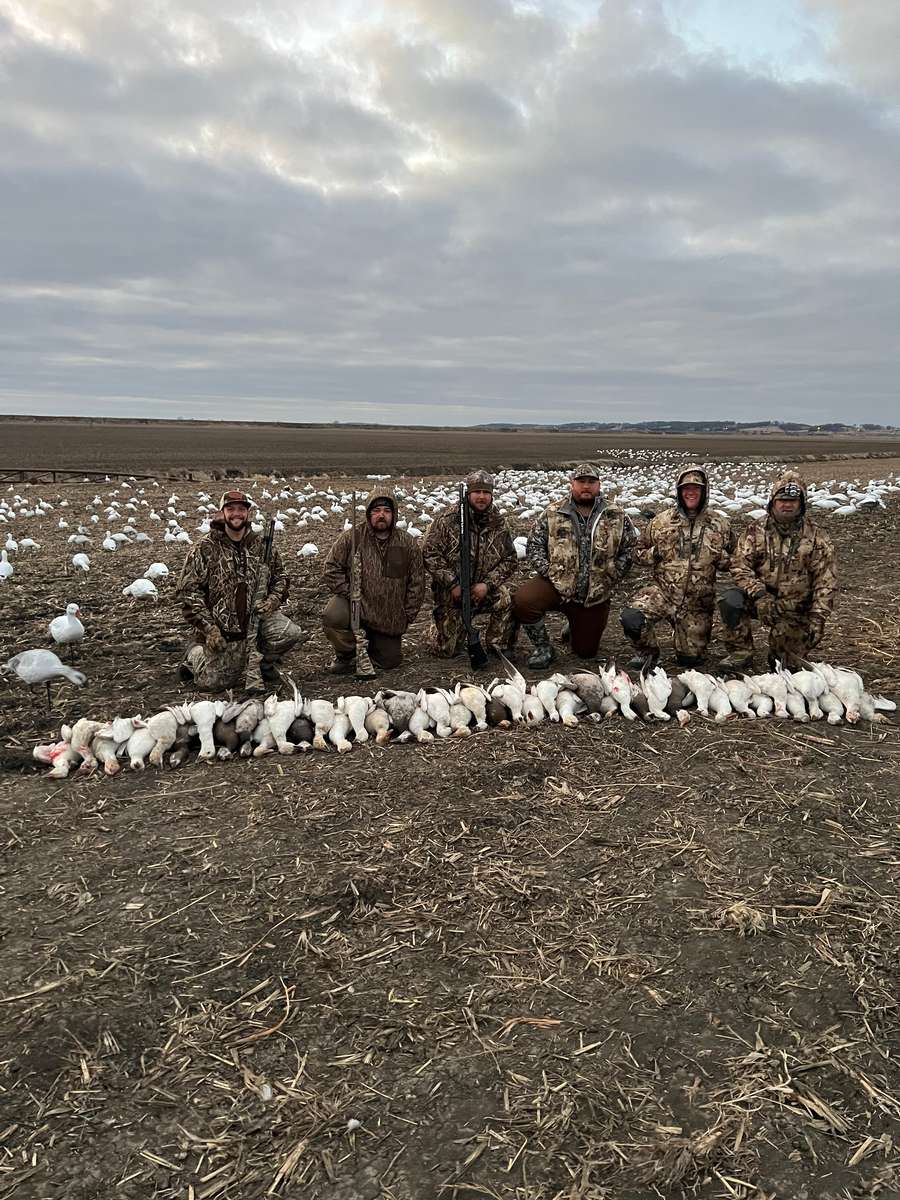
(620, 961)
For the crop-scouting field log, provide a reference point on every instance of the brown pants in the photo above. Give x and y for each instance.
(538, 596)
(385, 649)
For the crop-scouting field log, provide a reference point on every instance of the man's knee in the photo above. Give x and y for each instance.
(732, 607)
(278, 634)
(336, 613)
(533, 598)
(386, 652)
(633, 622)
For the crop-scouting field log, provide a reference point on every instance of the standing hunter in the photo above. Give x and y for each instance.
(231, 598)
(684, 546)
(494, 562)
(580, 549)
(786, 577)
(391, 582)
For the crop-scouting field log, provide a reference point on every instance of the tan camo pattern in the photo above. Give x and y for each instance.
(218, 670)
(797, 565)
(493, 561)
(217, 571)
(554, 551)
(684, 554)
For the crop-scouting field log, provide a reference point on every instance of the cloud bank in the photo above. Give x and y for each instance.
(447, 213)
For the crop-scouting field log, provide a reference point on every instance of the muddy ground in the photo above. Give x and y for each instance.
(306, 450)
(612, 962)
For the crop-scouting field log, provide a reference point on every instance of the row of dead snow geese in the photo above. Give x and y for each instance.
(220, 729)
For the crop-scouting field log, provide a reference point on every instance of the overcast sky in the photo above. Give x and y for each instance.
(450, 211)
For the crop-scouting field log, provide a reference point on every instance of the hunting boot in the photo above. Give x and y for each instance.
(342, 664)
(643, 660)
(543, 653)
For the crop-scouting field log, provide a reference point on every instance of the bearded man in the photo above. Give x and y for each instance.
(215, 589)
(493, 563)
(391, 581)
(579, 550)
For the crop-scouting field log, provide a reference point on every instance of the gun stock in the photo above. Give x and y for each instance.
(253, 679)
(477, 654)
(363, 666)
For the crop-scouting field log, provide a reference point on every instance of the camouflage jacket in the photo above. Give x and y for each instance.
(584, 558)
(493, 554)
(218, 579)
(795, 563)
(392, 575)
(685, 552)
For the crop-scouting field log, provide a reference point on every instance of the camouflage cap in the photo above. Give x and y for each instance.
(789, 491)
(691, 477)
(585, 471)
(480, 481)
(235, 497)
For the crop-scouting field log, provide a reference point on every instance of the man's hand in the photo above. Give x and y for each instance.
(456, 593)
(816, 630)
(215, 640)
(765, 609)
(267, 606)
(479, 592)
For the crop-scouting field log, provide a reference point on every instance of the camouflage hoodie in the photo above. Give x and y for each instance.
(493, 554)
(218, 579)
(794, 562)
(392, 579)
(685, 551)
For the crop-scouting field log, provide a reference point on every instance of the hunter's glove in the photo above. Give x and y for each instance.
(816, 629)
(215, 639)
(267, 606)
(766, 609)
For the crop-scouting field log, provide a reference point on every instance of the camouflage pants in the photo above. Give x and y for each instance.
(448, 636)
(219, 670)
(790, 638)
(691, 624)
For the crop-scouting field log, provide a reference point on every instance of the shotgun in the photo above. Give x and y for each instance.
(364, 668)
(477, 655)
(253, 671)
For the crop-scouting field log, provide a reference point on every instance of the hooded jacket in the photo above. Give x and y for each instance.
(392, 574)
(793, 562)
(493, 555)
(219, 577)
(584, 560)
(686, 550)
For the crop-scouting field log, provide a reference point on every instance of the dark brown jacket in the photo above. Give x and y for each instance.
(392, 579)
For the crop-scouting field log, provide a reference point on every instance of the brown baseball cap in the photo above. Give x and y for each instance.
(585, 471)
(235, 497)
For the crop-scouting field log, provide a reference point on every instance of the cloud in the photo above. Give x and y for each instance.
(439, 212)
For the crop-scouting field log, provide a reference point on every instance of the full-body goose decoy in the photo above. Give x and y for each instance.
(42, 666)
(67, 630)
